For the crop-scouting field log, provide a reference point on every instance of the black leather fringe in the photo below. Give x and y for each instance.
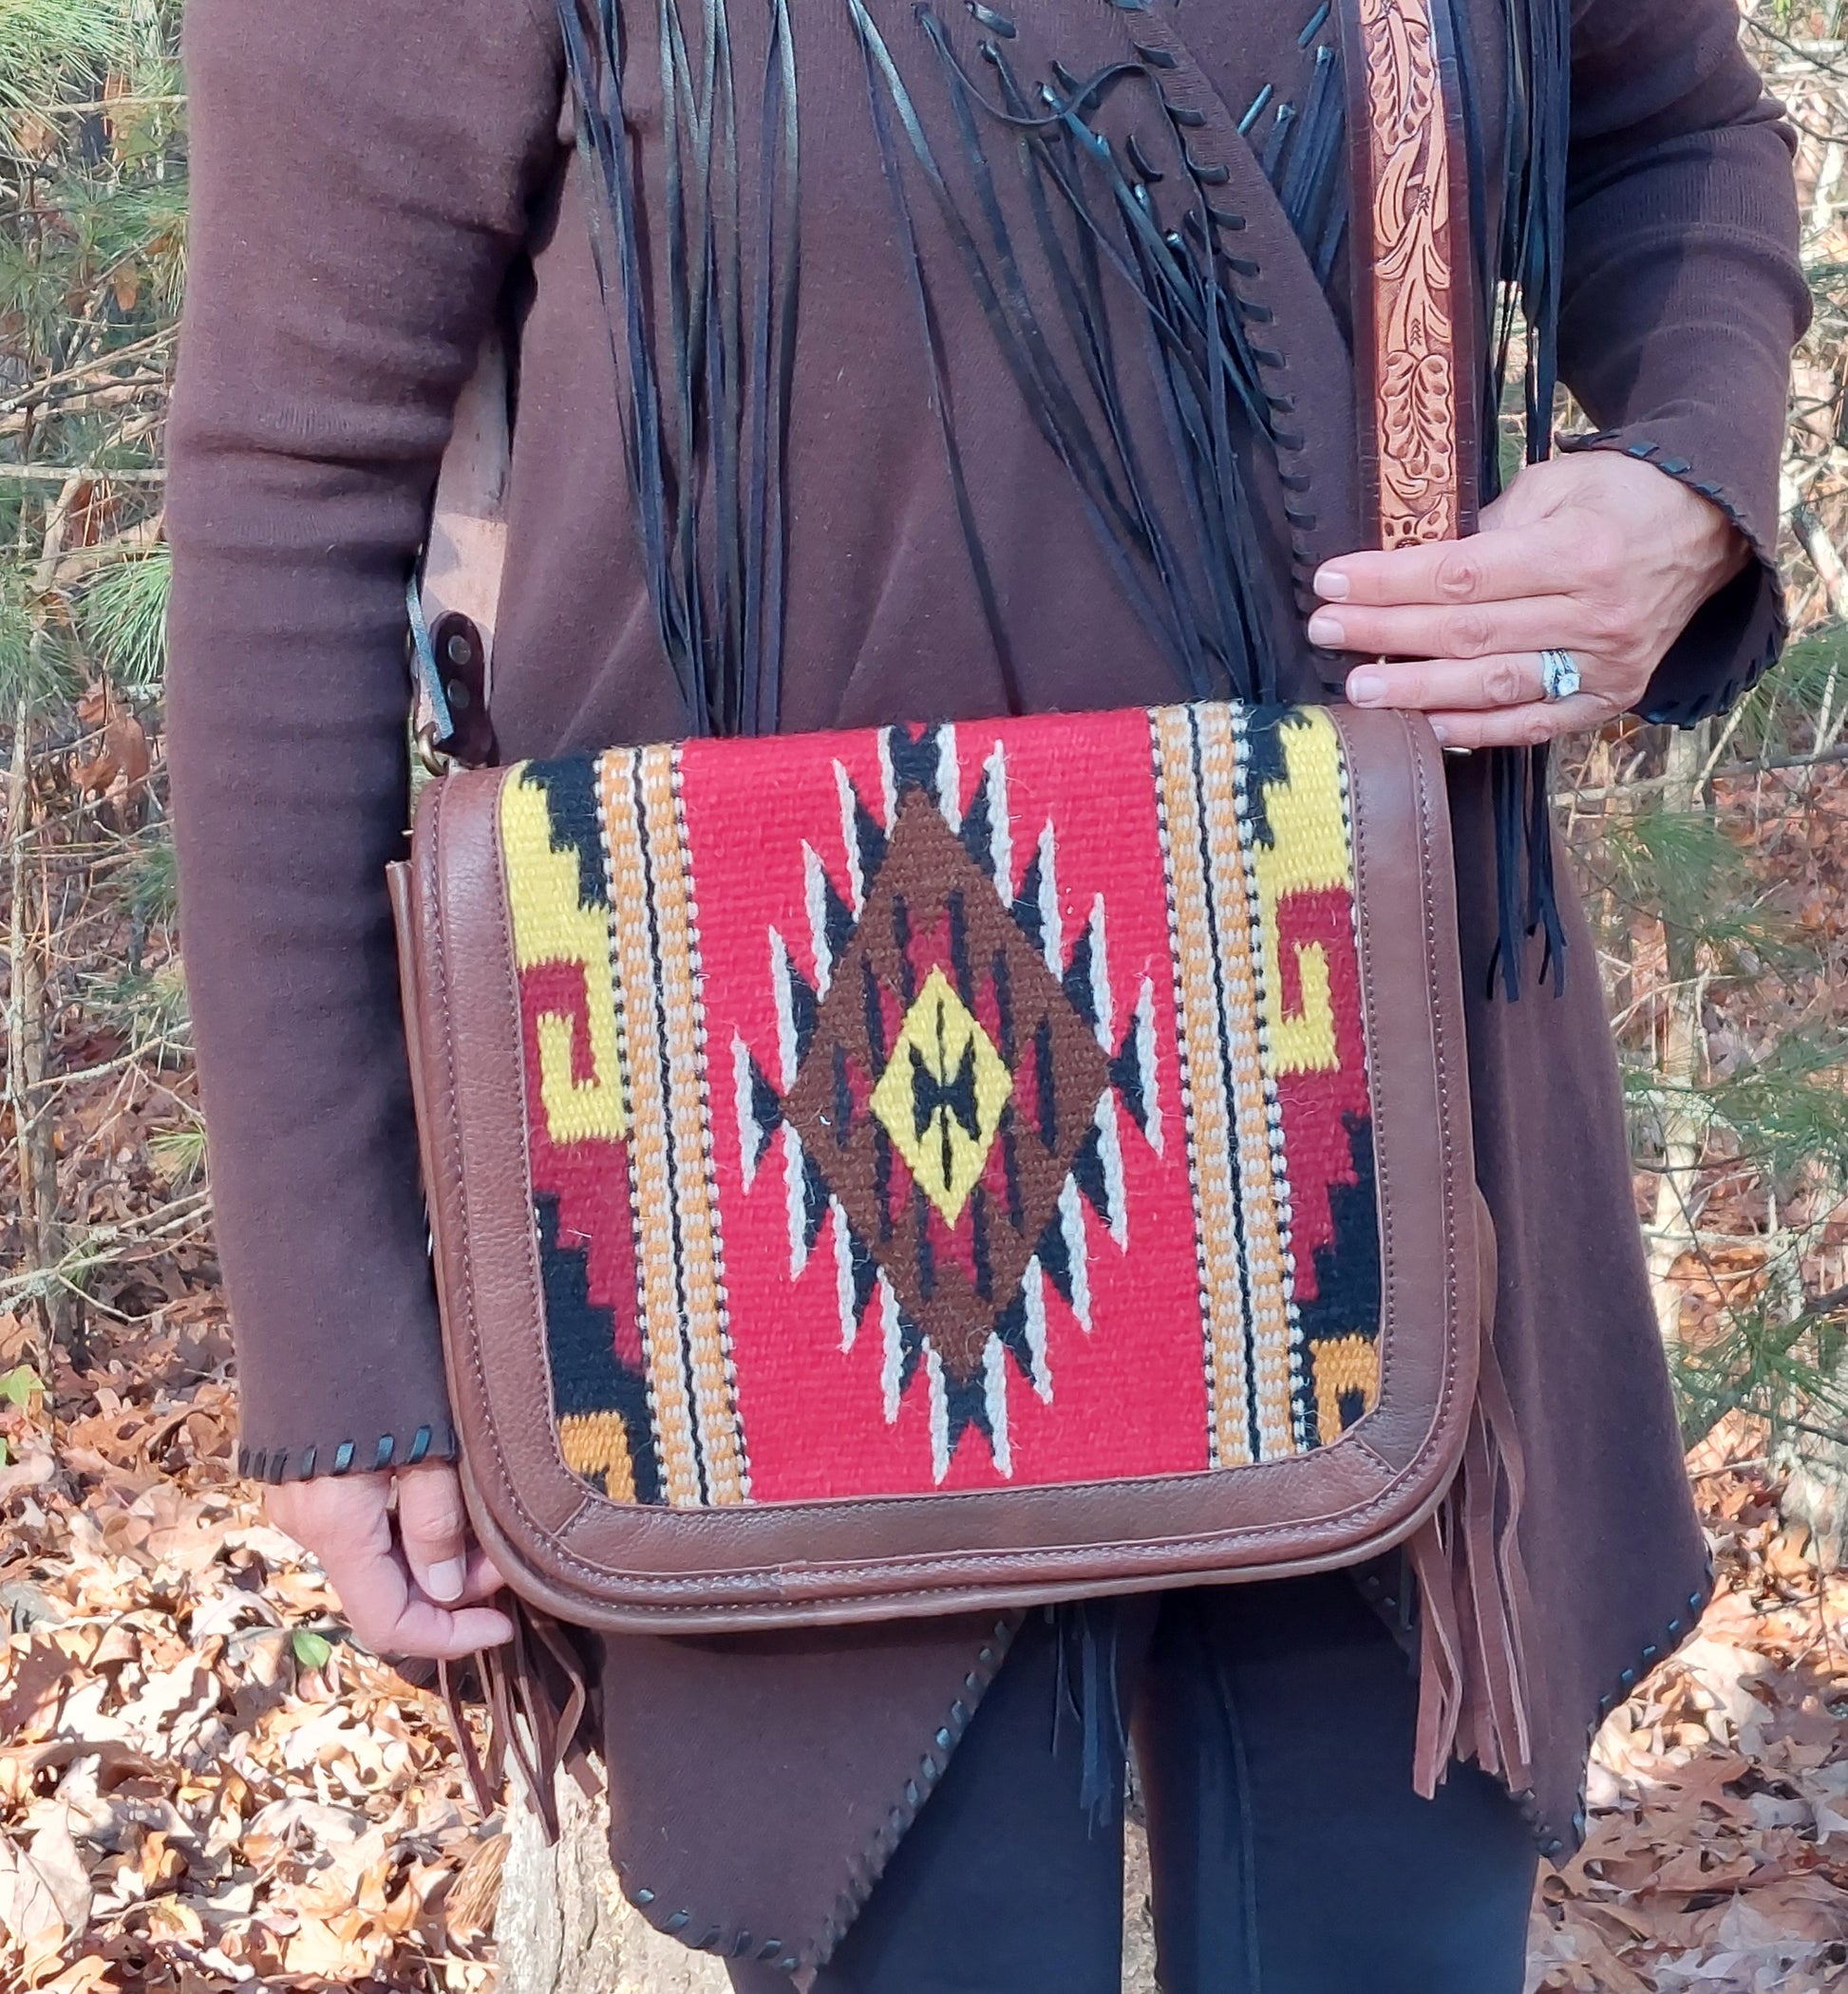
(1088, 1693)
(1527, 901)
(1532, 258)
(1125, 282)
(706, 391)
(1524, 262)
(706, 396)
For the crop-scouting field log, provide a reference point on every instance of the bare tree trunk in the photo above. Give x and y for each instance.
(28, 1019)
(1815, 1469)
(1828, 183)
(1812, 1458)
(1833, 574)
(34, 1157)
(1137, 1915)
(1671, 1232)
(563, 1927)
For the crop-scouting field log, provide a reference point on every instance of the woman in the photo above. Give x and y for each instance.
(857, 191)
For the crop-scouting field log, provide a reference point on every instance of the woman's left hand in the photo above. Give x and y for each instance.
(1598, 554)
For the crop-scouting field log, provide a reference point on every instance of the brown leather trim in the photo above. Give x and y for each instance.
(606, 1565)
(487, 1258)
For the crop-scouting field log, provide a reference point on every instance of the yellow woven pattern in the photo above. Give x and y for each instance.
(1311, 853)
(1348, 1364)
(677, 1247)
(551, 925)
(677, 971)
(941, 1045)
(596, 1443)
(649, 1161)
(1265, 1245)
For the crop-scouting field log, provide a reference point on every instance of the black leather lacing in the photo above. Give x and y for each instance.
(389, 1449)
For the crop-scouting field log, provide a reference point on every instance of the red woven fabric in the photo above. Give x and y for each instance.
(994, 1106)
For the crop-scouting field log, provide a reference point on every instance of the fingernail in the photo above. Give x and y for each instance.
(1331, 584)
(1324, 629)
(1364, 687)
(1440, 732)
(445, 1580)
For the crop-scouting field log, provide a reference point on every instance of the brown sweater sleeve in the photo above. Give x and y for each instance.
(1682, 297)
(361, 170)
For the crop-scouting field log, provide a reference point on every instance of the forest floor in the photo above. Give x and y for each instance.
(204, 1785)
(1718, 1856)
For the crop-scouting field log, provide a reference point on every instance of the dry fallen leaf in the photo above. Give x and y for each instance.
(32, 1924)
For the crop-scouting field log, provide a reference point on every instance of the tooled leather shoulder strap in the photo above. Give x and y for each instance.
(1420, 328)
(1415, 332)
(1414, 307)
(1415, 353)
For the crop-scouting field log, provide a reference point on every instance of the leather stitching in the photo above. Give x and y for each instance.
(426, 1441)
(1647, 451)
(439, 947)
(1286, 443)
(1381, 1146)
(865, 1868)
(532, 1313)
(1446, 1121)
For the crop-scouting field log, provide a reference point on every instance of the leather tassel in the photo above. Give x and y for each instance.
(1095, 1705)
(483, 1783)
(1439, 1650)
(1473, 1604)
(539, 1695)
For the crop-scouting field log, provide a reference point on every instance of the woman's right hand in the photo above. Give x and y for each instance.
(412, 1583)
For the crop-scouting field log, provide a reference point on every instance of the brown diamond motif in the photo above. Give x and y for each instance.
(954, 1250)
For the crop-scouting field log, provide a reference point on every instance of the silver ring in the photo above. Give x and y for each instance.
(1559, 675)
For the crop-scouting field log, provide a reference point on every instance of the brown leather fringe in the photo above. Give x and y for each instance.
(539, 1696)
(1473, 1604)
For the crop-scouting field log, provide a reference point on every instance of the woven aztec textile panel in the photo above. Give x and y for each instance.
(947, 1109)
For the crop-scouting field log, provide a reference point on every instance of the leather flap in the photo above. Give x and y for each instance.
(686, 1508)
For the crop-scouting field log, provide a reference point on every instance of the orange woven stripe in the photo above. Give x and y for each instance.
(683, 1041)
(670, 1405)
(1235, 902)
(1204, 1087)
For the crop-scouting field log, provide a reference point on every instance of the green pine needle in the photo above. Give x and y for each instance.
(124, 619)
(44, 44)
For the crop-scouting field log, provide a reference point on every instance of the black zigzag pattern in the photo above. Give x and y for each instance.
(1265, 765)
(914, 760)
(1347, 1266)
(587, 1376)
(570, 800)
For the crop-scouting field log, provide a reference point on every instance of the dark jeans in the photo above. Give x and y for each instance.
(1273, 1729)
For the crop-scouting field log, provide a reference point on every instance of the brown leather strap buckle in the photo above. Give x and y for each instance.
(458, 660)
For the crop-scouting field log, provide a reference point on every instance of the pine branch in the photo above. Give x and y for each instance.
(1731, 772)
(130, 101)
(96, 474)
(98, 363)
